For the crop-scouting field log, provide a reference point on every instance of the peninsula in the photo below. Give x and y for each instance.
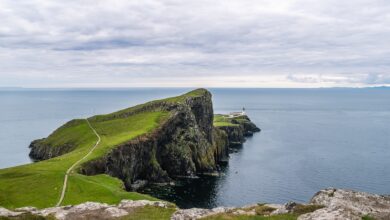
(105, 157)
(91, 168)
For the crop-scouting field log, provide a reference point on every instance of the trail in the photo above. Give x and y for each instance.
(75, 164)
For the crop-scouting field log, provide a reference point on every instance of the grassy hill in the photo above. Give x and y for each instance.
(39, 184)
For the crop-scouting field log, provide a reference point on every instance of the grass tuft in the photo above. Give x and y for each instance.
(303, 209)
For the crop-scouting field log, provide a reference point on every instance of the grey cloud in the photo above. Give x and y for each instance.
(309, 42)
(375, 79)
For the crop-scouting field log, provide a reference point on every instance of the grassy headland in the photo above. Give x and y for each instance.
(39, 184)
(223, 120)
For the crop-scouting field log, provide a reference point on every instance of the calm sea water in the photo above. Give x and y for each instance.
(310, 139)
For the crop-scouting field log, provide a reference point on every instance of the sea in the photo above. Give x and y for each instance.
(310, 139)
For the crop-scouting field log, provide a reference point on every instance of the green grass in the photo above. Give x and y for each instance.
(223, 121)
(39, 184)
(303, 209)
(367, 217)
(102, 188)
(171, 100)
(150, 213)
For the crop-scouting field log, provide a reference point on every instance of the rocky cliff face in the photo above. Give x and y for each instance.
(40, 151)
(239, 128)
(185, 144)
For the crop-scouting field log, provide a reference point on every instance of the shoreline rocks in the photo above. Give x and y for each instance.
(327, 204)
(88, 210)
(348, 204)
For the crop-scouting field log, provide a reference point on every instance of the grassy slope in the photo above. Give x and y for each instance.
(223, 120)
(39, 184)
(150, 213)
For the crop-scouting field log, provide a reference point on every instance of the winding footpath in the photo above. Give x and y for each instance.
(76, 163)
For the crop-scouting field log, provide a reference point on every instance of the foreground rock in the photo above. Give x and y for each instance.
(348, 204)
(88, 210)
(328, 204)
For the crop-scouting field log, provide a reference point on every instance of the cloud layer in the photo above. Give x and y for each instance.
(250, 43)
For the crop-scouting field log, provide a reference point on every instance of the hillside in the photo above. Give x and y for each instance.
(156, 142)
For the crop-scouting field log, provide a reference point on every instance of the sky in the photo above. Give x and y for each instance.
(199, 43)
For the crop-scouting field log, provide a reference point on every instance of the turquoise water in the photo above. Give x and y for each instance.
(310, 139)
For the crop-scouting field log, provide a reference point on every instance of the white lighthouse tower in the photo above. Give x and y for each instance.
(243, 111)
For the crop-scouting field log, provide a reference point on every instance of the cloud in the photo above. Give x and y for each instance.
(375, 79)
(140, 43)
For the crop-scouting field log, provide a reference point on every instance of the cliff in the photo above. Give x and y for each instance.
(237, 128)
(184, 143)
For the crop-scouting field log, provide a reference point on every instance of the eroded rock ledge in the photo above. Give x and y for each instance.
(327, 204)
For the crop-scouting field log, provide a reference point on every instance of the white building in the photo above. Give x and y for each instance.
(236, 114)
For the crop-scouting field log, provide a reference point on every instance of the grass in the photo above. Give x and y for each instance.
(367, 217)
(264, 210)
(223, 121)
(39, 184)
(150, 213)
(303, 209)
(171, 100)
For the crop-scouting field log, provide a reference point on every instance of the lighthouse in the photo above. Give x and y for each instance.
(243, 111)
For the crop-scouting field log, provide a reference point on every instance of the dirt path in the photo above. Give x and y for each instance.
(75, 164)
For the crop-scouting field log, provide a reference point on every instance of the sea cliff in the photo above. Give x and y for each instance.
(184, 144)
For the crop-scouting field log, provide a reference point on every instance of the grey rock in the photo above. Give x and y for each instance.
(26, 209)
(348, 204)
(196, 213)
(8, 213)
(88, 210)
(339, 204)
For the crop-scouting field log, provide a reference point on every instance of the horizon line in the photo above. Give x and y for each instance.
(182, 87)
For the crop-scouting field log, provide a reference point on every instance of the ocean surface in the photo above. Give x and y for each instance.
(310, 139)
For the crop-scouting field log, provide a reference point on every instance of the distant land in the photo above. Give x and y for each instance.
(15, 88)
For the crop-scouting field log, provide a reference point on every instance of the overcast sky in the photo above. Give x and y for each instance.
(219, 43)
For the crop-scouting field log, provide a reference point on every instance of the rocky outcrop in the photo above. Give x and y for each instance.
(328, 204)
(239, 128)
(349, 204)
(184, 145)
(42, 151)
(197, 213)
(88, 210)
